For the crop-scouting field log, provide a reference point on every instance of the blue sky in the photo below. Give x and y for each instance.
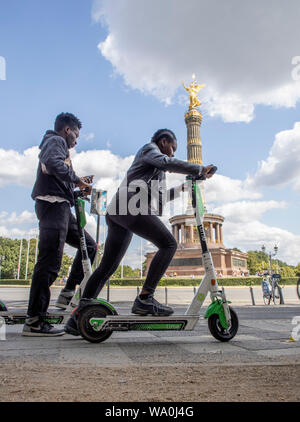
(54, 64)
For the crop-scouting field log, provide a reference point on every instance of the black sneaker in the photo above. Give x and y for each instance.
(150, 306)
(40, 329)
(64, 298)
(71, 327)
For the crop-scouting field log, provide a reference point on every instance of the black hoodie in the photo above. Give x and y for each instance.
(55, 175)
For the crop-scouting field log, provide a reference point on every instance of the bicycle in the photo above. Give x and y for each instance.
(271, 289)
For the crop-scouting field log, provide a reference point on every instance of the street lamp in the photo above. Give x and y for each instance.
(270, 255)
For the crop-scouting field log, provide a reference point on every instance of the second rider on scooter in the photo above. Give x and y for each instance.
(53, 195)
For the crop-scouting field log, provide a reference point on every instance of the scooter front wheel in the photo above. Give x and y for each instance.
(221, 333)
(89, 332)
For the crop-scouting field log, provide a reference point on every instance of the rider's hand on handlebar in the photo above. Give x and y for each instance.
(85, 187)
(206, 171)
(87, 179)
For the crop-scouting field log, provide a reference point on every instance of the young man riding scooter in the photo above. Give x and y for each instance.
(147, 170)
(53, 195)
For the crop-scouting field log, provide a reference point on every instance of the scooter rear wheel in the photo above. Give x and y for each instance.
(85, 328)
(221, 333)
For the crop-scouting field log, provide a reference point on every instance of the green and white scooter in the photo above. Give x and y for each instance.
(97, 319)
(59, 316)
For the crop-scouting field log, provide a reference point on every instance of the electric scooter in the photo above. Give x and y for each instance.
(59, 316)
(97, 319)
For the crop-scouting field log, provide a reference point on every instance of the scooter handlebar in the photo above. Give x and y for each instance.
(201, 176)
(81, 193)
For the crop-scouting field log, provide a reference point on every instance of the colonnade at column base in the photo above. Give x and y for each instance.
(187, 260)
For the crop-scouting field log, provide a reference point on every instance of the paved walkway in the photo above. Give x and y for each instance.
(263, 338)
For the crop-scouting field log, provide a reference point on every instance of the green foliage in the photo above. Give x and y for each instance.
(287, 271)
(66, 264)
(10, 248)
(297, 270)
(14, 282)
(259, 261)
(128, 272)
(234, 281)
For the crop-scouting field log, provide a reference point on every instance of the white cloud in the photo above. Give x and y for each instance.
(242, 51)
(18, 233)
(243, 229)
(246, 211)
(252, 235)
(87, 136)
(108, 168)
(15, 225)
(282, 166)
(13, 218)
(225, 189)
(18, 168)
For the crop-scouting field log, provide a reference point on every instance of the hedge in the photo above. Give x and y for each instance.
(14, 282)
(230, 281)
(234, 281)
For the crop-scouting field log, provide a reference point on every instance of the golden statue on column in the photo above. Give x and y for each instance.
(193, 90)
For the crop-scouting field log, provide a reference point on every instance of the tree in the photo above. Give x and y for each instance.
(253, 262)
(10, 248)
(66, 264)
(297, 270)
(259, 261)
(287, 271)
(128, 272)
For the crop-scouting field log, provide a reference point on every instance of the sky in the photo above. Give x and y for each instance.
(119, 65)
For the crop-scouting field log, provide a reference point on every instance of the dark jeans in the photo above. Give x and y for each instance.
(120, 231)
(57, 227)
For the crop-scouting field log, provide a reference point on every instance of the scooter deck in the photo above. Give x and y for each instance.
(144, 323)
(18, 315)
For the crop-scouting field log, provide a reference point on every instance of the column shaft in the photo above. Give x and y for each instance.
(217, 233)
(221, 233)
(182, 233)
(211, 232)
(176, 233)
